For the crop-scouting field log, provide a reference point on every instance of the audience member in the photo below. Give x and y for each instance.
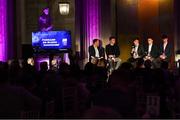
(93, 93)
(15, 99)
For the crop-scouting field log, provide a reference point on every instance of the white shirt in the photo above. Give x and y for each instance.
(96, 52)
(149, 48)
(136, 49)
(164, 46)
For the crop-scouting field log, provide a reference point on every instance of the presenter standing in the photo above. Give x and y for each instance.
(45, 21)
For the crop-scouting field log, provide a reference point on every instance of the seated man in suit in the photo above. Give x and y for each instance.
(95, 52)
(165, 49)
(137, 50)
(113, 52)
(151, 51)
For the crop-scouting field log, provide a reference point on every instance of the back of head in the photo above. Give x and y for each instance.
(148, 64)
(89, 68)
(140, 62)
(64, 68)
(126, 66)
(14, 65)
(164, 65)
(121, 77)
(43, 66)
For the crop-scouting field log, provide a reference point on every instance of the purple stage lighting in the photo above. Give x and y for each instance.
(92, 21)
(3, 29)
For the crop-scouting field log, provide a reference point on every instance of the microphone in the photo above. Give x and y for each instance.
(146, 53)
(133, 49)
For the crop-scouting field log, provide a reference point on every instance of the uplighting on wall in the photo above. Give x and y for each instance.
(64, 8)
(132, 2)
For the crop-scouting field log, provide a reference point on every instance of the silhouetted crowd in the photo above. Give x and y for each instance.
(69, 92)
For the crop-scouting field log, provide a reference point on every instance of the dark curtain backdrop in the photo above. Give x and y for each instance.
(11, 29)
(177, 25)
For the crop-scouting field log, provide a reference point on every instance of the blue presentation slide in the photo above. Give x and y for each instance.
(51, 40)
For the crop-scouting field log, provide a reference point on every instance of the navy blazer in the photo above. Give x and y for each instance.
(140, 51)
(154, 51)
(168, 50)
(92, 52)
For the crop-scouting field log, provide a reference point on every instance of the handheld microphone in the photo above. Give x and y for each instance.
(133, 49)
(146, 53)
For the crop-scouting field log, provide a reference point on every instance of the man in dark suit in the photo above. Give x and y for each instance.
(165, 52)
(95, 51)
(137, 49)
(151, 51)
(136, 52)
